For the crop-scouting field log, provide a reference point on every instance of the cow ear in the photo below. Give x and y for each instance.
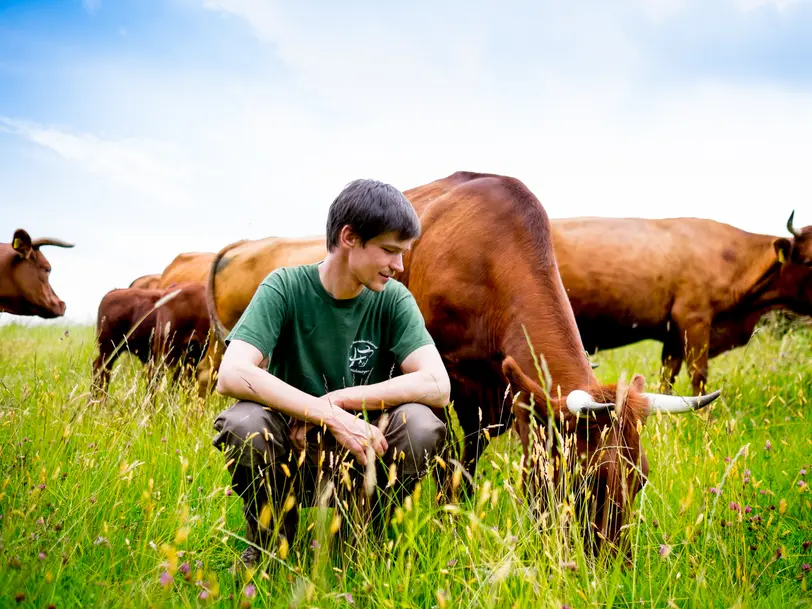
(638, 383)
(783, 249)
(520, 382)
(22, 243)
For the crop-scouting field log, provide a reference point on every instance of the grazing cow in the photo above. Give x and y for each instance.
(698, 286)
(172, 330)
(484, 275)
(24, 274)
(147, 282)
(185, 268)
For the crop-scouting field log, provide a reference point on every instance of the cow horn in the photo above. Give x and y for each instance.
(795, 232)
(48, 241)
(580, 402)
(676, 404)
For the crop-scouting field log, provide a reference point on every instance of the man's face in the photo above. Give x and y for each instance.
(374, 264)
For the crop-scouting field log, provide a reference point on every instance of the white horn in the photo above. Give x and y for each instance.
(676, 404)
(580, 402)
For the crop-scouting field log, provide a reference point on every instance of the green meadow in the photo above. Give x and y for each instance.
(126, 503)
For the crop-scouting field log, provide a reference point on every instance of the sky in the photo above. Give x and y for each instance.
(139, 129)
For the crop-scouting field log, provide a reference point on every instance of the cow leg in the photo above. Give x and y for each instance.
(102, 367)
(695, 333)
(671, 362)
(208, 367)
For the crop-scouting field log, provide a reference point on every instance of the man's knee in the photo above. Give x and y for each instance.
(253, 431)
(418, 433)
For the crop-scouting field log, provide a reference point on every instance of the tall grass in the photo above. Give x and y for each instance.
(127, 504)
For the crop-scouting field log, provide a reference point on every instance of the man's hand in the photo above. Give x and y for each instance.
(356, 435)
(298, 434)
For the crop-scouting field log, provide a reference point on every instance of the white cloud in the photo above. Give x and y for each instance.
(91, 6)
(749, 5)
(142, 165)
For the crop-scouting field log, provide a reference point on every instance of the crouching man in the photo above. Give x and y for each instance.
(341, 339)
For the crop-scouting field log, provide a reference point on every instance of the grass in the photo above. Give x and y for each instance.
(127, 504)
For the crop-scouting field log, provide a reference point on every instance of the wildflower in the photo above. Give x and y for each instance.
(315, 544)
(806, 544)
(41, 555)
(779, 553)
(184, 568)
(805, 567)
(198, 564)
(735, 506)
(451, 562)
(166, 579)
(714, 491)
(204, 594)
(101, 540)
(40, 521)
(163, 440)
(349, 598)
(93, 499)
(250, 591)
(747, 509)
(41, 486)
(802, 472)
(727, 459)
(801, 483)
(762, 492)
(747, 472)
(768, 445)
(665, 550)
(228, 492)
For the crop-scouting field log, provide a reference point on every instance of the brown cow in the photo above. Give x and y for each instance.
(484, 275)
(147, 282)
(163, 329)
(185, 268)
(24, 274)
(698, 286)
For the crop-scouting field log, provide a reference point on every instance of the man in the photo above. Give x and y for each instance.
(339, 337)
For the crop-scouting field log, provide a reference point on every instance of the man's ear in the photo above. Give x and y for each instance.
(347, 236)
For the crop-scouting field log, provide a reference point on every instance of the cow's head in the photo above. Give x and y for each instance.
(29, 275)
(599, 442)
(796, 272)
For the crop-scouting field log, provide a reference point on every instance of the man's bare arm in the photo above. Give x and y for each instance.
(424, 380)
(240, 377)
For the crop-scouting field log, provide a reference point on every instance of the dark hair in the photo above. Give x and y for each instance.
(371, 208)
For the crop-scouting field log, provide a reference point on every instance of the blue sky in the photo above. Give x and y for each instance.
(143, 128)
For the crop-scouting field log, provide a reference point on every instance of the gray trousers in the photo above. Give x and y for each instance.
(266, 469)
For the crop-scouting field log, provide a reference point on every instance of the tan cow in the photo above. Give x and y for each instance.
(186, 267)
(147, 282)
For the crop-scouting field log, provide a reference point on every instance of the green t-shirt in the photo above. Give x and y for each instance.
(319, 344)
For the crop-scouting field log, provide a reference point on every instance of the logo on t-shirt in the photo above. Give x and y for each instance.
(362, 360)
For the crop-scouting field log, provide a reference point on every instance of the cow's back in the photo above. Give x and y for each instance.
(241, 269)
(186, 267)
